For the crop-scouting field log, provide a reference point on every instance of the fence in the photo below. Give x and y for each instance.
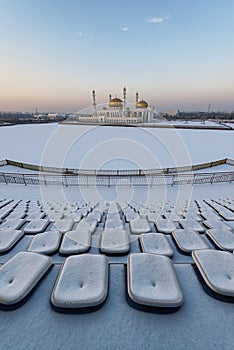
(88, 172)
(113, 180)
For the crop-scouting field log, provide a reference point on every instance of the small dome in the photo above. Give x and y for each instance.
(142, 104)
(116, 102)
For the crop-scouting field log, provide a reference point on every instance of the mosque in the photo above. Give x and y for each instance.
(119, 112)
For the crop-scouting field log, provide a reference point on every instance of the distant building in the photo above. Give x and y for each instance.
(118, 111)
(173, 112)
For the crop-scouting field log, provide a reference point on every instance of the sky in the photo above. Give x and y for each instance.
(178, 54)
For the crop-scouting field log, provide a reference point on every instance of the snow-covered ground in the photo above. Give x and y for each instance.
(91, 147)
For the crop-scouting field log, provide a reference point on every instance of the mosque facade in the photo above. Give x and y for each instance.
(118, 111)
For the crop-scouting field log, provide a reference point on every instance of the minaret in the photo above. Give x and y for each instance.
(137, 99)
(110, 98)
(94, 101)
(124, 95)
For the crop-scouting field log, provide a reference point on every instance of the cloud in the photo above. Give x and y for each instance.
(80, 34)
(124, 29)
(158, 20)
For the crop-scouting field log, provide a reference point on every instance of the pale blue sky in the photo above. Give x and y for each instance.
(176, 53)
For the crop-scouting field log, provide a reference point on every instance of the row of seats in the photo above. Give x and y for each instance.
(119, 224)
(82, 283)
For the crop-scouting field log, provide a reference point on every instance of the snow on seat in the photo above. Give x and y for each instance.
(131, 215)
(12, 224)
(155, 243)
(4, 212)
(19, 276)
(223, 239)
(75, 216)
(226, 214)
(34, 216)
(55, 216)
(82, 284)
(8, 238)
(189, 240)
(95, 215)
(45, 243)
(16, 215)
(216, 224)
(112, 224)
(76, 242)
(209, 215)
(165, 226)
(217, 271)
(153, 217)
(139, 226)
(87, 224)
(63, 225)
(115, 241)
(36, 226)
(188, 224)
(152, 283)
(192, 216)
(172, 216)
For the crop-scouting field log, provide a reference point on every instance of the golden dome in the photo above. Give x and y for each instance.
(116, 102)
(142, 104)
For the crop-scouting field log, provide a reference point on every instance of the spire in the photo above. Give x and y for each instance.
(110, 97)
(124, 95)
(94, 101)
(137, 98)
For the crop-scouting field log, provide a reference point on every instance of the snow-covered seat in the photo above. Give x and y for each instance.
(45, 243)
(12, 224)
(55, 216)
(16, 215)
(188, 224)
(112, 224)
(115, 241)
(75, 242)
(87, 224)
(153, 217)
(4, 212)
(210, 215)
(95, 215)
(63, 225)
(165, 226)
(192, 216)
(19, 276)
(36, 226)
(216, 224)
(189, 240)
(217, 271)
(226, 214)
(131, 215)
(75, 216)
(8, 238)
(172, 216)
(155, 243)
(139, 226)
(82, 284)
(223, 239)
(152, 283)
(35, 216)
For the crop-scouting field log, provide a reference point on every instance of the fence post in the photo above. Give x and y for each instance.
(173, 178)
(212, 178)
(24, 180)
(5, 179)
(66, 181)
(45, 180)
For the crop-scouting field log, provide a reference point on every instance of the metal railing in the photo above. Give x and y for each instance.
(116, 180)
(121, 172)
